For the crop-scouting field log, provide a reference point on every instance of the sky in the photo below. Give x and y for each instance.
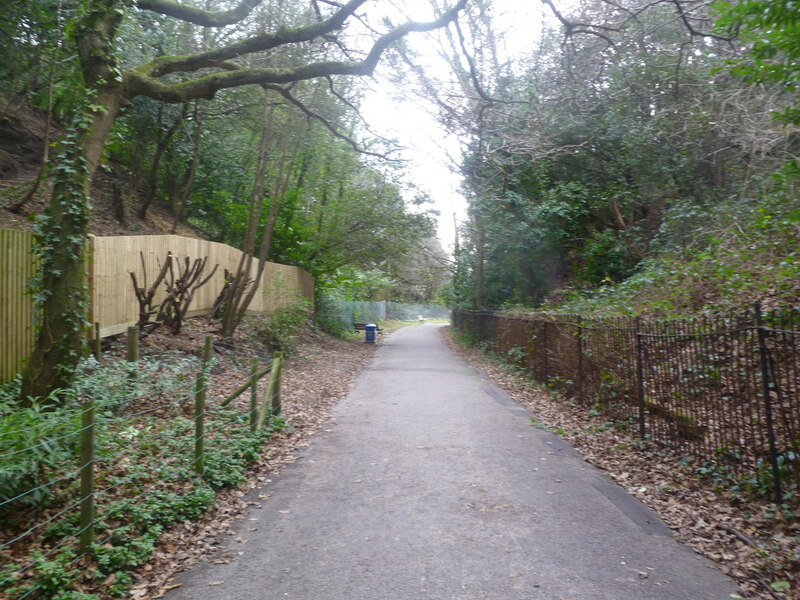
(428, 148)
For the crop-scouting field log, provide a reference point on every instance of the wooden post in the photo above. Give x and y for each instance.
(580, 362)
(243, 388)
(276, 392)
(132, 356)
(87, 475)
(200, 410)
(133, 344)
(98, 350)
(268, 403)
(253, 395)
(91, 283)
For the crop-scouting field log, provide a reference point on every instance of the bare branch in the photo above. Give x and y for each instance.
(473, 72)
(205, 18)
(684, 15)
(325, 122)
(571, 28)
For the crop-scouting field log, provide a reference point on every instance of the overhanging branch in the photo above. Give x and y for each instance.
(197, 16)
(142, 81)
(257, 43)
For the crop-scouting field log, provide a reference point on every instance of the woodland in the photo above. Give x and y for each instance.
(241, 118)
(641, 160)
(638, 158)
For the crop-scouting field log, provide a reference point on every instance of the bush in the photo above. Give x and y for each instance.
(277, 332)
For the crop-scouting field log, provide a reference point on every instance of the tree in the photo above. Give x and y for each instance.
(581, 151)
(253, 55)
(772, 30)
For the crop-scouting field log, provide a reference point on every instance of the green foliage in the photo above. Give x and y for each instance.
(40, 439)
(624, 160)
(144, 499)
(32, 36)
(605, 258)
(35, 441)
(124, 549)
(352, 283)
(226, 464)
(743, 252)
(772, 30)
(752, 484)
(277, 332)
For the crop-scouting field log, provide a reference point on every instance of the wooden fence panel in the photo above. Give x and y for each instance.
(113, 302)
(17, 266)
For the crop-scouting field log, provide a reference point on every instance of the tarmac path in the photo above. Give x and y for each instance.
(431, 484)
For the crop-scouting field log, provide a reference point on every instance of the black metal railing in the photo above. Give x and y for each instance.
(723, 390)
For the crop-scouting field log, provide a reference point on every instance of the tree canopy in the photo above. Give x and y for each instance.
(626, 141)
(630, 134)
(180, 53)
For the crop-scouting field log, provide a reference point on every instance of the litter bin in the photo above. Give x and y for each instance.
(370, 333)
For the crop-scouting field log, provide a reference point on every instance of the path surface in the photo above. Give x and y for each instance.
(433, 485)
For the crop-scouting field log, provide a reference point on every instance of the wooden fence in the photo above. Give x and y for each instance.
(113, 302)
(17, 266)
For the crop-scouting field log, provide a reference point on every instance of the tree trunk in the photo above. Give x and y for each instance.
(241, 279)
(152, 178)
(277, 195)
(62, 293)
(180, 207)
(480, 251)
(62, 287)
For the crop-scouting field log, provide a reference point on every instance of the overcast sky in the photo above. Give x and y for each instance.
(429, 149)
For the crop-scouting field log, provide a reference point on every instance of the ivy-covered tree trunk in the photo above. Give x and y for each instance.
(61, 291)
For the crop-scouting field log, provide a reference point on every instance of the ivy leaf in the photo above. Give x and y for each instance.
(780, 586)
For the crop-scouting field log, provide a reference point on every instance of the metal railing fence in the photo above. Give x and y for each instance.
(723, 391)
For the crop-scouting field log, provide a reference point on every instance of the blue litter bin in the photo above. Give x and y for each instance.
(370, 333)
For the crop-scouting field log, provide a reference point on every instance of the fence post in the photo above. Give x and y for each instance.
(133, 344)
(276, 393)
(87, 475)
(98, 349)
(271, 401)
(545, 352)
(580, 361)
(200, 410)
(764, 361)
(253, 395)
(640, 377)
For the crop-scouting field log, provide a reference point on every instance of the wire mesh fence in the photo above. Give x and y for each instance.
(723, 391)
(342, 314)
(134, 447)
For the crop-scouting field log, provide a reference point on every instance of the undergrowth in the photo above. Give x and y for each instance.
(710, 260)
(144, 474)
